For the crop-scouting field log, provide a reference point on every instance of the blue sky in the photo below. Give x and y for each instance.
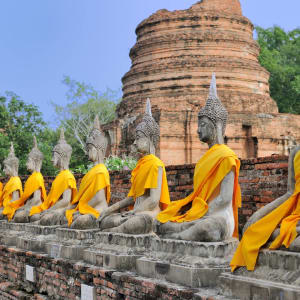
(89, 40)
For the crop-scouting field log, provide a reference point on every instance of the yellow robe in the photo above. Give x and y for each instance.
(13, 184)
(63, 181)
(95, 180)
(210, 170)
(288, 214)
(34, 182)
(144, 176)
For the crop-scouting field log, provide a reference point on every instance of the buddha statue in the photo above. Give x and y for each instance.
(13, 188)
(210, 212)
(274, 225)
(34, 188)
(63, 189)
(149, 192)
(94, 191)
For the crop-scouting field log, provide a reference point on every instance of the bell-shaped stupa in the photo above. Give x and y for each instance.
(172, 63)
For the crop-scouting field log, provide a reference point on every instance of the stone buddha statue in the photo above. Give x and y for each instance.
(34, 189)
(276, 224)
(94, 191)
(63, 188)
(13, 188)
(149, 192)
(209, 213)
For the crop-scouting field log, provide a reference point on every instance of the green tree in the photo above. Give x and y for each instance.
(280, 55)
(19, 122)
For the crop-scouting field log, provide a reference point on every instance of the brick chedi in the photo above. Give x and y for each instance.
(172, 63)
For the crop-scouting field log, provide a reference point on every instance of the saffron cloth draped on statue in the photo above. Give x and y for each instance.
(145, 175)
(210, 170)
(287, 214)
(95, 180)
(34, 182)
(13, 184)
(63, 181)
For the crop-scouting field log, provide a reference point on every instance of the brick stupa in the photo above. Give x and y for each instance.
(172, 63)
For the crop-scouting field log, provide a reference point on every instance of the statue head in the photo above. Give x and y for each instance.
(212, 118)
(61, 153)
(11, 163)
(96, 143)
(35, 158)
(147, 133)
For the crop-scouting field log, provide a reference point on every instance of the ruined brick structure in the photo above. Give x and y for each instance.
(172, 62)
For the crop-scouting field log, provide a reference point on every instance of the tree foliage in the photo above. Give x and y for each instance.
(19, 122)
(84, 102)
(280, 55)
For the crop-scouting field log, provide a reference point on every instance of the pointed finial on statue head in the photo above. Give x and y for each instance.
(12, 149)
(97, 123)
(62, 135)
(213, 86)
(34, 142)
(148, 108)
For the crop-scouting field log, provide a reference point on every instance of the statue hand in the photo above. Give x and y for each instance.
(128, 213)
(103, 215)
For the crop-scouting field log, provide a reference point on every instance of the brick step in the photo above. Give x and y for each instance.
(247, 288)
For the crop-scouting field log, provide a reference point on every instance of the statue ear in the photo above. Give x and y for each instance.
(152, 148)
(220, 138)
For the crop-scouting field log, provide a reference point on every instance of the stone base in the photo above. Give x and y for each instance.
(10, 232)
(36, 237)
(192, 264)
(276, 276)
(71, 243)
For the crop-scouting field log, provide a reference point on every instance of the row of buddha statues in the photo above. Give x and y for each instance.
(208, 214)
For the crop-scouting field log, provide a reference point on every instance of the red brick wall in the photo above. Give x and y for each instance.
(62, 279)
(262, 180)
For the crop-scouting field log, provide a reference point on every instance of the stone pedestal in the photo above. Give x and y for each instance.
(70, 243)
(276, 276)
(35, 237)
(10, 232)
(192, 264)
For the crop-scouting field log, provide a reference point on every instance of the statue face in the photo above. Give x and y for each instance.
(92, 152)
(206, 130)
(8, 170)
(56, 160)
(30, 164)
(141, 143)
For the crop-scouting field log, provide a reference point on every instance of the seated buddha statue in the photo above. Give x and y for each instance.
(149, 192)
(34, 189)
(63, 189)
(13, 188)
(276, 224)
(94, 191)
(210, 212)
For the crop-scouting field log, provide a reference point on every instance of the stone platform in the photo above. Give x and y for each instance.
(192, 264)
(70, 243)
(276, 276)
(35, 237)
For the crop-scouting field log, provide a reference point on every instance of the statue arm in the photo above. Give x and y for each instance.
(276, 203)
(152, 201)
(63, 202)
(15, 196)
(226, 193)
(117, 206)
